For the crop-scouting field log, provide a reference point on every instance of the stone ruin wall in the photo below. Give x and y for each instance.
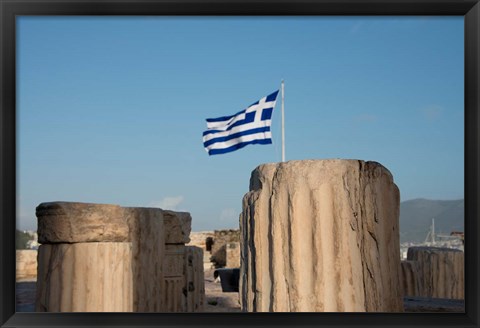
(321, 236)
(232, 255)
(224, 250)
(433, 272)
(107, 258)
(219, 247)
(199, 239)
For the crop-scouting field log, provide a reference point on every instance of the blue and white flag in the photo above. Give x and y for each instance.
(250, 126)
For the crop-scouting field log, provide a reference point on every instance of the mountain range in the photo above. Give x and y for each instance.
(416, 218)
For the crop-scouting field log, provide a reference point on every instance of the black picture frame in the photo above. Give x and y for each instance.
(9, 9)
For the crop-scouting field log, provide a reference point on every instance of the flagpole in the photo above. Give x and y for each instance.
(283, 123)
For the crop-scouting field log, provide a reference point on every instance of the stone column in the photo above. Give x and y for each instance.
(85, 277)
(321, 236)
(412, 282)
(440, 271)
(96, 257)
(147, 230)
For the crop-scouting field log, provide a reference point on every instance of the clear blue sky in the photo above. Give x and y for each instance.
(112, 109)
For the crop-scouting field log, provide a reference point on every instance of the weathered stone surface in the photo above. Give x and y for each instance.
(184, 279)
(321, 236)
(174, 298)
(142, 227)
(177, 227)
(174, 260)
(233, 255)
(148, 239)
(26, 260)
(219, 247)
(199, 239)
(174, 265)
(156, 258)
(85, 277)
(78, 277)
(70, 222)
(204, 240)
(441, 271)
(412, 282)
(195, 282)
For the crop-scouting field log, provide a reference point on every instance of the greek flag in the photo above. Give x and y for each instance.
(250, 126)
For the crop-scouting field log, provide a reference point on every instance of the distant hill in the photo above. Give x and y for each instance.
(416, 217)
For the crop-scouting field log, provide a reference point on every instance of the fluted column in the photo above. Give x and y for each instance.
(85, 277)
(99, 257)
(412, 282)
(440, 272)
(321, 235)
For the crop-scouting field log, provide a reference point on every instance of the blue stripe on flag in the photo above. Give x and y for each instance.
(236, 135)
(272, 97)
(267, 114)
(249, 118)
(238, 146)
